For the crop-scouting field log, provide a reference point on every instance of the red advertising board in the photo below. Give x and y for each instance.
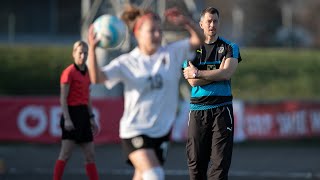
(37, 119)
(34, 119)
(281, 120)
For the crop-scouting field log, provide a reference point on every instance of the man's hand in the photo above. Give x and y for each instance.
(190, 72)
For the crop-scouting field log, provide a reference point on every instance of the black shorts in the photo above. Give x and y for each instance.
(80, 118)
(159, 145)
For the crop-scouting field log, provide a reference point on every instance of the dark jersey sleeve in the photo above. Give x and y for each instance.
(233, 51)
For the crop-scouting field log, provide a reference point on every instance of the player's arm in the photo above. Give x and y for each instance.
(194, 81)
(198, 82)
(174, 16)
(96, 75)
(196, 36)
(64, 91)
(226, 70)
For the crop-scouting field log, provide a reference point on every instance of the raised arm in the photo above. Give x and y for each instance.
(174, 16)
(96, 75)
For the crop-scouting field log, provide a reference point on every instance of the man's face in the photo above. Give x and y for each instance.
(210, 24)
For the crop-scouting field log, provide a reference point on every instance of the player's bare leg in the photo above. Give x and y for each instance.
(88, 151)
(146, 162)
(67, 147)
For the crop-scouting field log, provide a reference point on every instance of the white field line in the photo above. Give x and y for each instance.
(176, 172)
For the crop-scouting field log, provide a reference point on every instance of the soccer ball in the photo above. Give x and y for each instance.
(110, 31)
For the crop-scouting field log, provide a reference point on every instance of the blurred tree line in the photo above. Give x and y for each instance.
(264, 74)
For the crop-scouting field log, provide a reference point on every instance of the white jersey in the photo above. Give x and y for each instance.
(151, 85)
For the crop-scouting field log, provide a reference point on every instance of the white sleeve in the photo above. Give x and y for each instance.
(113, 73)
(182, 50)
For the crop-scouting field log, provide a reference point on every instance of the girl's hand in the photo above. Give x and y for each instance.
(92, 40)
(174, 16)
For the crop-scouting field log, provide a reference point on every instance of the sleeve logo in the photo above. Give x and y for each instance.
(221, 49)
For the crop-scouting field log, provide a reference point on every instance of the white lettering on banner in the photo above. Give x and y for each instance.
(55, 115)
(292, 123)
(259, 124)
(36, 113)
(315, 121)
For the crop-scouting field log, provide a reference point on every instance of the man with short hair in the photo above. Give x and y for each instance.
(211, 123)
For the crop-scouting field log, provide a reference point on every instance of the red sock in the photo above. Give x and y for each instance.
(58, 169)
(92, 172)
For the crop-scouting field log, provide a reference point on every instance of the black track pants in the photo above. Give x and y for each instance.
(210, 143)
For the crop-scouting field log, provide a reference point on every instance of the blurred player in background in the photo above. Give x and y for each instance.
(77, 121)
(210, 130)
(150, 74)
